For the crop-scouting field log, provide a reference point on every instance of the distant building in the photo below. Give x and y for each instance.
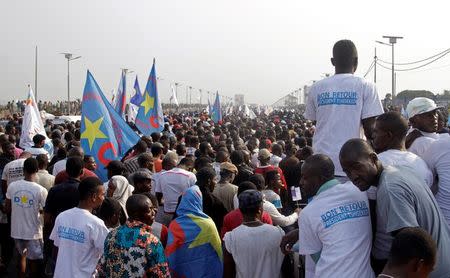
(239, 100)
(304, 95)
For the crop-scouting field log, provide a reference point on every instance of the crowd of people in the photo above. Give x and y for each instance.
(355, 190)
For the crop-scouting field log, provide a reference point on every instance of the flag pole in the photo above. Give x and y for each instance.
(36, 73)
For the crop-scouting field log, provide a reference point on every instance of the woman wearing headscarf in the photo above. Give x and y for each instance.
(193, 246)
(119, 189)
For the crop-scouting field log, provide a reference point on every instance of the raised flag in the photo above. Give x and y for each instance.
(150, 117)
(173, 97)
(32, 125)
(216, 114)
(121, 98)
(193, 243)
(135, 101)
(104, 133)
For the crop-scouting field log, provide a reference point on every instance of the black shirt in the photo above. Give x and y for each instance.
(62, 197)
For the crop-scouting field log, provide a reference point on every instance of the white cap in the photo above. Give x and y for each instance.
(420, 105)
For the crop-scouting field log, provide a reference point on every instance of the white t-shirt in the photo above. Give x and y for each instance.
(438, 159)
(59, 167)
(338, 104)
(80, 237)
(171, 184)
(36, 151)
(255, 250)
(27, 199)
(405, 158)
(421, 144)
(337, 224)
(275, 160)
(13, 171)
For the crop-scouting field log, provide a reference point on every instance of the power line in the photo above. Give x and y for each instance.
(416, 62)
(418, 67)
(370, 68)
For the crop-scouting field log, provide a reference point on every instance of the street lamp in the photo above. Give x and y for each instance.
(69, 57)
(392, 41)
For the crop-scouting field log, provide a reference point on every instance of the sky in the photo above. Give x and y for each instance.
(262, 49)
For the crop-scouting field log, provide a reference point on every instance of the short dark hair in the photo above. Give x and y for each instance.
(42, 160)
(394, 123)
(258, 180)
(88, 187)
(30, 166)
(271, 175)
(144, 158)
(110, 207)
(156, 149)
(202, 162)
(38, 138)
(205, 174)
(140, 146)
(412, 243)
(321, 164)
(136, 205)
(344, 53)
(237, 157)
(246, 185)
(74, 166)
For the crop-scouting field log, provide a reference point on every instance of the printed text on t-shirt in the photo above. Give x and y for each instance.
(71, 234)
(345, 212)
(337, 98)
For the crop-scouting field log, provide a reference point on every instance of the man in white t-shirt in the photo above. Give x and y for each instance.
(13, 171)
(25, 200)
(334, 228)
(79, 235)
(423, 117)
(61, 165)
(38, 148)
(170, 184)
(340, 104)
(251, 250)
(438, 159)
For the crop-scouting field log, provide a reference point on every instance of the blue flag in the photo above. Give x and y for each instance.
(137, 98)
(104, 134)
(216, 115)
(121, 97)
(150, 116)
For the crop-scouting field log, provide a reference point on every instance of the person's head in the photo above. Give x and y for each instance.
(157, 150)
(10, 129)
(246, 185)
(413, 253)
(140, 208)
(187, 163)
(39, 140)
(155, 136)
(202, 162)
(442, 121)
(92, 192)
(360, 163)
(316, 170)
(258, 180)
(74, 167)
(251, 204)
(206, 178)
(140, 147)
(75, 151)
(142, 182)
(273, 180)
(222, 156)
(206, 149)
(389, 132)
(89, 163)
(264, 156)
(304, 153)
(145, 160)
(111, 213)
(422, 114)
(9, 149)
(277, 150)
(237, 157)
(227, 172)
(168, 163)
(345, 57)
(30, 166)
(115, 168)
(42, 160)
(181, 150)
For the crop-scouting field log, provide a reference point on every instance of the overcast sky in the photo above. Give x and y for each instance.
(263, 49)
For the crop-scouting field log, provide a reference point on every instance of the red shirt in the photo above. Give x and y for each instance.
(264, 169)
(234, 219)
(63, 176)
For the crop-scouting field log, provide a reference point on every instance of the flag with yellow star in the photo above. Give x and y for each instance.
(193, 244)
(104, 133)
(121, 101)
(150, 115)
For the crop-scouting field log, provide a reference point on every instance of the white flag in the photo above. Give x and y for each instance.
(173, 97)
(32, 125)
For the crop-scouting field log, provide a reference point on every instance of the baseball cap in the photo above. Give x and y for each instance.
(115, 165)
(420, 105)
(264, 153)
(229, 167)
(250, 199)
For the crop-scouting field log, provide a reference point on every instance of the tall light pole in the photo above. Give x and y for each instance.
(69, 57)
(392, 41)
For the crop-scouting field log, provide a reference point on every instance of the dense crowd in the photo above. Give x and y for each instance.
(355, 190)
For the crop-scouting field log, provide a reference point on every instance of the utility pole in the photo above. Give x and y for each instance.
(375, 67)
(69, 57)
(35, 74)
(392, 41)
